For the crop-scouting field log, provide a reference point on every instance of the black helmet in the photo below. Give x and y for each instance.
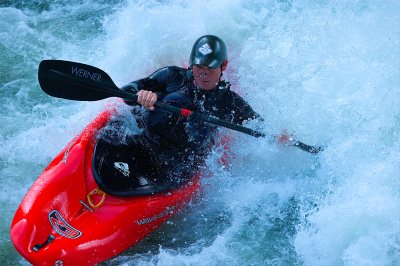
(208, 50)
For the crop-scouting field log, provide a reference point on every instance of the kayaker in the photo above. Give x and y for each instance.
(198, 88)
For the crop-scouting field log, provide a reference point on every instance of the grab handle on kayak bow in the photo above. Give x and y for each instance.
(37, 247)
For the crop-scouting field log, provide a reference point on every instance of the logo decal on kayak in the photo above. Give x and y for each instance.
(168, 210)
(205, 49)
(66, 153)
(123, 168)
(62, 227)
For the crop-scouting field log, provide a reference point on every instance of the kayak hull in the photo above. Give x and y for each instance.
(66, 219)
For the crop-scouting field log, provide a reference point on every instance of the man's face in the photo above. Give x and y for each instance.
(207, 78)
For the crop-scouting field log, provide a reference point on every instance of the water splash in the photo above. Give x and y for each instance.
(326, 71)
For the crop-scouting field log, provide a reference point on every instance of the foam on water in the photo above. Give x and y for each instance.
(328, 72)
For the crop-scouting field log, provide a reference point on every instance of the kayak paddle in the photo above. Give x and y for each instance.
(81, 82)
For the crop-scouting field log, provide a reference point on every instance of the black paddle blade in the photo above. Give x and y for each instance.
(76, 81)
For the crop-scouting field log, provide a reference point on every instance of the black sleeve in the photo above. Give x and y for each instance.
(242, 110)
(164, 80)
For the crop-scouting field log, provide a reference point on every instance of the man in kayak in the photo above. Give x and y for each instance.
(198, 88)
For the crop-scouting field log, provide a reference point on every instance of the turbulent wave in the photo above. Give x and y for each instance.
(326, 71)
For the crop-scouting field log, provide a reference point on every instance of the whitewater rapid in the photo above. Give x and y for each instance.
(326, 71)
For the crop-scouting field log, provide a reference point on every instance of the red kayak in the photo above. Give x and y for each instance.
(92, 203)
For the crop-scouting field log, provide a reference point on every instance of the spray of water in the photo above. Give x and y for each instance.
(328, 72)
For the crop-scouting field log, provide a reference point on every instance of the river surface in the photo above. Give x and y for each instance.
(326, 71)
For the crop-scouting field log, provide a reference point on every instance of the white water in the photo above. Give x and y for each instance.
(328, 72)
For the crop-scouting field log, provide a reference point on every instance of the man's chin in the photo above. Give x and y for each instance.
(204, 85)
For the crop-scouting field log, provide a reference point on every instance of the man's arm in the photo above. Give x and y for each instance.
(158, 82)
(242, 110)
